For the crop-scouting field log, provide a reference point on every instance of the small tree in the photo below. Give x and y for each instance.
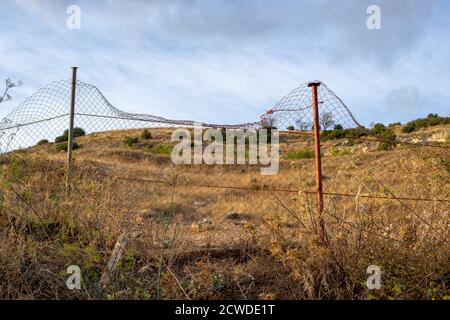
(303, 125)
(326, 120)
(8, 85)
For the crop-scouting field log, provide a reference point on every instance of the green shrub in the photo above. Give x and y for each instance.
(304, 153)
(77, 132)
(291, 128)
(379, 130)
(338, 127)
(160, 148)
(395, 124)
(130, 141)
(146, 135)
(62, 146)
(42, 142)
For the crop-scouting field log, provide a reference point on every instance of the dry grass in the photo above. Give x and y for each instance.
(185, 247)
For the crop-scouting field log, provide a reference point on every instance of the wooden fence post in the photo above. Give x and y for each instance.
(318, 158)
(71, 122)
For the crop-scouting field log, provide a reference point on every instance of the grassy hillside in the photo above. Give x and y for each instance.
(213, 232)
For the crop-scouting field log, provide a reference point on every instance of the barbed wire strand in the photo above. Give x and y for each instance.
(214, 186)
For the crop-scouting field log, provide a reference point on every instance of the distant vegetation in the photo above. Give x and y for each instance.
(431, 120)
(379, 130)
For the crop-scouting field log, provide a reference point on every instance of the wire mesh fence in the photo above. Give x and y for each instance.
(294, 110)
(359, 179)
(44, 115)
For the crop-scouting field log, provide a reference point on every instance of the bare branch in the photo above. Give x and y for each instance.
(8, 85)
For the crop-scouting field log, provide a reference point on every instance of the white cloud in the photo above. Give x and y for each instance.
(229, 61)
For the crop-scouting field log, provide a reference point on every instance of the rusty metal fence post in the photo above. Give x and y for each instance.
(315, 106)
(71, 123)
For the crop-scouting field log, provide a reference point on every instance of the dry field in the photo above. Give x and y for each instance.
(222, 232)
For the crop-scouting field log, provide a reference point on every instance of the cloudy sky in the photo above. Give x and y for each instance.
(230, 60)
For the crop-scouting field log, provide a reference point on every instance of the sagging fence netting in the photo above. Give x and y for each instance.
(45, 114)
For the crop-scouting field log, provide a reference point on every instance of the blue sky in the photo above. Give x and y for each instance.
(227, 61)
